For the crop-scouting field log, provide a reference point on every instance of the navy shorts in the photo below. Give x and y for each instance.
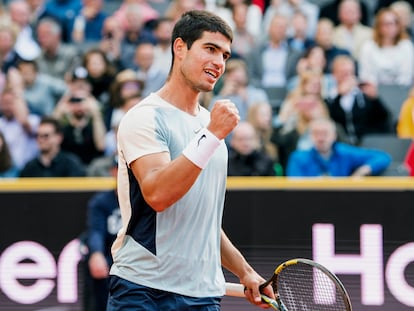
(127, 296)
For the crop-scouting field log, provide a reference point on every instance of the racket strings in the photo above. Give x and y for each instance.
(302, 287)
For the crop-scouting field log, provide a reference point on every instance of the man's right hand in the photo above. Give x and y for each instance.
(224, 118)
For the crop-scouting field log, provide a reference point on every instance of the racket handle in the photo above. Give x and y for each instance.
(235, 290)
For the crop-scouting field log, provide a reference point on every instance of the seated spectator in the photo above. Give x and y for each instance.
(147, 69)
(110, 44)
(125, 85)
(253, 14)
(26, 45)
(236, 86)
(310, 81)
(163, 28)
(298, 39)
(36, 9)
(82, 122)
(335, 159)
(135, 34)
(101, 75)
(40, 90)
(8, 54)
(63, 11)
(130, 97)
(387, 3)
(356, 107)
(312, 64)
(405, 124)
(52, 161)
(56, 57)
(293, 133)
(263, 70)
(260, 116)
(405, 12)
(288, 8)
(351, 34)
(245, 157)
(121, 14)
(103, 223)
(388, 58)
(18, 126)
(330, 10)
(243, 39)
(87, 24)
(325, 39)
(7, 167)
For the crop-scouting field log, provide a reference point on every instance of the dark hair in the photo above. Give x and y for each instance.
(110, 69)
(52, 121)
(192, 24)
(6, 161)
(33, 63)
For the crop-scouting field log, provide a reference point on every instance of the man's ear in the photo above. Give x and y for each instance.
(179, 47)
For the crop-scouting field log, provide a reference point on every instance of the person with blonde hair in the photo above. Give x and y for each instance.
(310, 81)
(246, 158)
(260, 115)
(294, 133)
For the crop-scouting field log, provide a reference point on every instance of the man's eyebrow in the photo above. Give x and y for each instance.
(226, 52)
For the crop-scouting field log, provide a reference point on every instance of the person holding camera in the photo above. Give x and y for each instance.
(81, 118)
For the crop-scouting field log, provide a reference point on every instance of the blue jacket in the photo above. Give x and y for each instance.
(103, 222)
(345, 159)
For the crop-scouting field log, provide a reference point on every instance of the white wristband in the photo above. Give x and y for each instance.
(201, 148)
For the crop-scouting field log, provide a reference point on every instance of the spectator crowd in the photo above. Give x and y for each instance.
(70, 69)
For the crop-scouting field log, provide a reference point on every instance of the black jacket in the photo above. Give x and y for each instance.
(368, 115)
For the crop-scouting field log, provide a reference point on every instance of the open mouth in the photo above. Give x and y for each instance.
(212, 73)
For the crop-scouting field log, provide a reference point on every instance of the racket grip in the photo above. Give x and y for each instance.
(235, 290)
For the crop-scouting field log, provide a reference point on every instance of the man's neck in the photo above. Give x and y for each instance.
(181, 96)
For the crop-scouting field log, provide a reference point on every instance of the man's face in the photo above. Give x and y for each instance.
(46, 37)
(47, 138)
(349, 13)
(244, 139)
(28, 72)
(6, 41)
(343, 70)
(203, 64)
(324, 34)
(323, 136)
(144, 56)
(278, 29)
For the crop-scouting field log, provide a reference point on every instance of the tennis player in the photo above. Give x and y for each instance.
(171, 185)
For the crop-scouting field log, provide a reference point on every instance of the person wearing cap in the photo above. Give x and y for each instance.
(127, 85)
(80, 115)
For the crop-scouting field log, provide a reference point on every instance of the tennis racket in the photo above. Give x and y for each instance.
(301, 285)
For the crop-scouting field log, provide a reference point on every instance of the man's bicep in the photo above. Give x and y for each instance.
(144, 168)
